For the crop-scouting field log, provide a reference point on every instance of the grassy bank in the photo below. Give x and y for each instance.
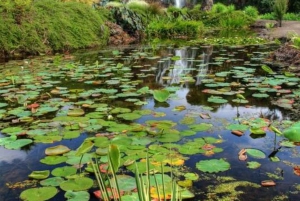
(46, 26)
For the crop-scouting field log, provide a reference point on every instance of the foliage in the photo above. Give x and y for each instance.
(295, 39)
(50, 26)
(287, 16)
(251, 11)
(280, 8)
(235, 20)
(219, 8)
(164, 28)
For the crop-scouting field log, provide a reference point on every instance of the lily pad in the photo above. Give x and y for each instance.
(56, 150)
(39, 174)
(293, 133)
(256, 153)
(213, 165)
(217, 99)
(76, 112)
(53, 160)
(53, 181)
(40, 194)
(201, 127)
(77, 184)
(161, 95)
(64, 171)
(18, 144)
(253, 165)
(77, 196)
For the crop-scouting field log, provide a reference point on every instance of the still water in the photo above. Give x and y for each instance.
(196, 77)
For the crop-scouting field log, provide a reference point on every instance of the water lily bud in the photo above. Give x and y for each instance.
(110, 117)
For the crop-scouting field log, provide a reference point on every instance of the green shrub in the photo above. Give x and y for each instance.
(235, 20)
(280, 7)
(49, 25)
(287, 16)
(251, 11)
(138, 6)
(163, 28)
(219, 8)
(230, 8)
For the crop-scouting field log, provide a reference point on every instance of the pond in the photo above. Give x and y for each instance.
(208, 115)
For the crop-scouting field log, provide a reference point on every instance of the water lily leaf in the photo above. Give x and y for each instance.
(213, 165)
(64, 171)
(201, 127)
(53, 181)
(161, 95)
(18, 144)
(267, 69)
(131, 197)
(77, 196)
(287, 144)
(257, 131)
(56, 150)
(39, 174)
(47, 138)
(12, 130)
(216, 99)
(191, 176)
(260, 95)
(126, 183)
(293, 133)
(3, 105)
(77, 184)
(130, 116)
(40, 194)
(76, 112)
(71, 134)
(240, 127)
(253, 164)
(7, 140)
(256, 153)
(53, 160)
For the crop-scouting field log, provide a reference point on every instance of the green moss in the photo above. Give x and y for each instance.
(228, 190)
(48, 25)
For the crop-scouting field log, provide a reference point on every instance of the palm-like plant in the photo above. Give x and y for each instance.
(280, 7)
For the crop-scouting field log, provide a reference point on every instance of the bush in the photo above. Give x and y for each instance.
(251, 11)
(280, 7)
(235, 20)
(287, 16)
(49, 25)
(219, 8)
(164, 28)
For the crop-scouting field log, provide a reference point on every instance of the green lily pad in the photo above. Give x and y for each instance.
(293, 133)
(240, 127)
(257, 131)
(39, 194)
(191, 176)
(256, 153)
(18, 144)
(260, 95)
(217, 99)
(161, 95)
(76, 112)
(64, 171)
(129, 116)
(253, 164)
(53, 181)
(77, 184)
(12, 130)
(56, 150)
(53, 160)
(213, 165)
(39, 174)
(77, 196)
(126, 183)
(201, 127)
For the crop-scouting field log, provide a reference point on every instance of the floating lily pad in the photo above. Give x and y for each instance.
(53, 160)
(201, 127)
(53, 181)
(77, 196)
(40, 194)
(39, 174)
(64, 171)
(217, 99)
(76, 112)
(253, 164)
(161, 95)
(256, 153)
(213, 165)
(240, 127)
(56, 150)
(126, 183)
(18, 144)
(77, 184)
(293, 133)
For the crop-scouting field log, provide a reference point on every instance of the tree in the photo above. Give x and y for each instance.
(207, 5)
(280, 7)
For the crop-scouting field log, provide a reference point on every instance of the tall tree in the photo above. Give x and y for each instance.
(207, 5)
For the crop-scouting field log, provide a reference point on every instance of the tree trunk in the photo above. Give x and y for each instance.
(207, 5)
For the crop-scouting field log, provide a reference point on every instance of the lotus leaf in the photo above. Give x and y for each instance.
(77, 184)
(76, 112)
(53, 160)
(253, 165)
(256, 153)
(187, 133)
(169, 138)
(53, 181)
(287, 144)
(191, 176)
(64, 171)
(187, 120)
(293, 133)
(76, 160)
(126, 183)
(213, 165)
(39, 174)
(40, 194)
(131, 197)
(56, 150)
(12, 130)
(77, 196)
(260, 95)
(71, 134)
(7, 140)
(257, 131)
(161, 95)
(201, 127)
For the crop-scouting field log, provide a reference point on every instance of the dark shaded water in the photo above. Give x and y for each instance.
(189, 73)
